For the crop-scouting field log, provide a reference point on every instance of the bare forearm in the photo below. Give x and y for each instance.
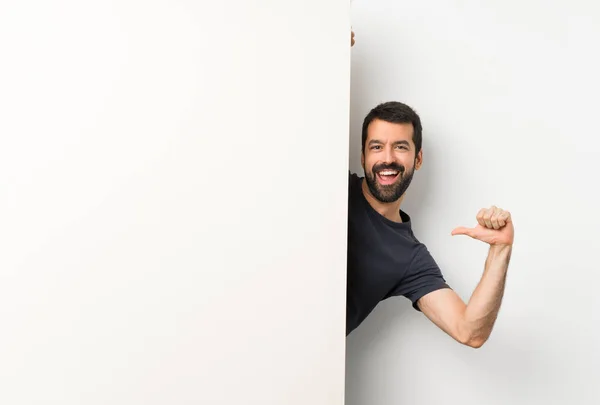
(483, 307)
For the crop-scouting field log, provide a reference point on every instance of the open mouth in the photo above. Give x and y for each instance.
(387, 177)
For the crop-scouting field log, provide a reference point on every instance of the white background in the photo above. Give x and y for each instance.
(508, 95)
(173, 179)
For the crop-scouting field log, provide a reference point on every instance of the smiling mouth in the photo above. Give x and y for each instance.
(387, 177)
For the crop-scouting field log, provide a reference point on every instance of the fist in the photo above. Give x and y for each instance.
(494, 226)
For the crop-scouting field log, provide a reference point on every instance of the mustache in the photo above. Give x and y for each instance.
(389, 166)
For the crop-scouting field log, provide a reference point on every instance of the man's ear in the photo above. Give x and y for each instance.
(419, 160)
(362, 159)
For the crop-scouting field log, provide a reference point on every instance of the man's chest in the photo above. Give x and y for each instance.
(378, 258)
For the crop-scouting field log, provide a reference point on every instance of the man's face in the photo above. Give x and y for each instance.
(389, 159)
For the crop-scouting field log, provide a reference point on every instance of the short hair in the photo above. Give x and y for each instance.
(396, 113)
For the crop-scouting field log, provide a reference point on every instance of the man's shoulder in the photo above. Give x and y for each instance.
(354, 183)
(422, 257)
(353, 177)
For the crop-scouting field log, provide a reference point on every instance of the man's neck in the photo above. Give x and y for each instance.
(390, 211)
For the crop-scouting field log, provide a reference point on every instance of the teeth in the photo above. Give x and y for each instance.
(389, 173)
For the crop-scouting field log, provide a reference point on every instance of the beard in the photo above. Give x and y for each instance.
(390, 192)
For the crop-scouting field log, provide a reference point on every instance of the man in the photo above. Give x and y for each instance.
(385, 259)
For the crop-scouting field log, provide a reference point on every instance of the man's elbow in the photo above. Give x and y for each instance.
(473, 341)
(476, 343)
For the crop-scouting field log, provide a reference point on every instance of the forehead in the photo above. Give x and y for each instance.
(384, 131)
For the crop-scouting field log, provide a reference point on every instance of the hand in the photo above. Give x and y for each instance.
(494, 227)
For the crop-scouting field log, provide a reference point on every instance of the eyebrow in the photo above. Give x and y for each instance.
(375, 141)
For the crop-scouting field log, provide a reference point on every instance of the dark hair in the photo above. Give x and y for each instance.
(397, 113)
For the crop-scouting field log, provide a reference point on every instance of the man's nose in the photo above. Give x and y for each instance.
(388, 155)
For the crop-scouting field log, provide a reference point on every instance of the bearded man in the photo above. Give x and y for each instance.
(385, 259)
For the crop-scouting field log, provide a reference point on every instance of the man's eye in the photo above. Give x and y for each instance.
(376, 147)
(402, 147)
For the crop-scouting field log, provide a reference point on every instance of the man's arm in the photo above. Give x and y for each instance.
(471, 324)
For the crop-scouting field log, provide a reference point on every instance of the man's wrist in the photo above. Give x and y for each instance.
(501, 253)
(500, 248)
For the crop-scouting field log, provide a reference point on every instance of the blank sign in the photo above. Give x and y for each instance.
(173, 179)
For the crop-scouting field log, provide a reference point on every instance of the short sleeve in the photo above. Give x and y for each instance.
(423, 277)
